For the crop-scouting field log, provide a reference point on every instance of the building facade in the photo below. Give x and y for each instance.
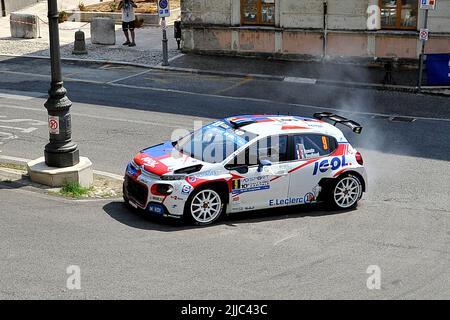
(314, 29)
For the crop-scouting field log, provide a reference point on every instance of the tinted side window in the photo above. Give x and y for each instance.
(274, 148)
(309, 146)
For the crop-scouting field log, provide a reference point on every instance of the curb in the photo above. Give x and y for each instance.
(22, 161)
(336, 83)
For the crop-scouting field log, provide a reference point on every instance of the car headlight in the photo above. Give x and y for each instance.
(171, 177)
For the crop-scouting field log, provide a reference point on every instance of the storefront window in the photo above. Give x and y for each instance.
(396, 14)
(258, 12)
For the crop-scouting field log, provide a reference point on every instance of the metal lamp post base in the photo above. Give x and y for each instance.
(62, 159)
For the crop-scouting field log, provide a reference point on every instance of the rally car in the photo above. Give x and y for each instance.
(246, 163)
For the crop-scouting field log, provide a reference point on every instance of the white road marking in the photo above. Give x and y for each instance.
(300, 80)
(20, 95)
(284, 239)
(8, 135)
(98, 117)
(31, 121)
(23, 130)
(129, 77)
(271, 102)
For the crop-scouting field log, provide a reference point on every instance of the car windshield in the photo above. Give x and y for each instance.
(214, 142)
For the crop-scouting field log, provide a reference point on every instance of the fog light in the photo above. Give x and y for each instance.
(161, 189)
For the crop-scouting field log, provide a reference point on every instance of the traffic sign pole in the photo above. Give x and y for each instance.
(419, 82)
(163, 12)
(164, 44)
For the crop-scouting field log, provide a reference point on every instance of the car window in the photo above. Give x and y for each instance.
(273, 148)
(214, 142)
(309, 146)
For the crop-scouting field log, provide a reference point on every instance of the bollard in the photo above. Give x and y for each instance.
(80, 43)
(388, 73)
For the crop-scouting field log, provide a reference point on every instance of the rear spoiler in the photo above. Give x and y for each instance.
(356, 127)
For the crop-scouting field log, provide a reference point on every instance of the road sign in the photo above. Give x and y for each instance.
(53, 125)
(423, 35)
(428, 4)
(163, 8)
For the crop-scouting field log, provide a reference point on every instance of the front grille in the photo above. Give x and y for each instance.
(137, 191)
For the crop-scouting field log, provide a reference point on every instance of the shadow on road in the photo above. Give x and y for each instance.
(141, 220)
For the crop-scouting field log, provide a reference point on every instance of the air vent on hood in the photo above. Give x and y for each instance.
(190, 169)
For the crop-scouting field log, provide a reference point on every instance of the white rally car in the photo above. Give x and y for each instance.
(248, 163)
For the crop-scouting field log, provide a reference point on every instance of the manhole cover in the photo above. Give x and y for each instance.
(402, 119)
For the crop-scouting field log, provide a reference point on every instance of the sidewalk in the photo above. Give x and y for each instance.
(297, 71)
(148, 39)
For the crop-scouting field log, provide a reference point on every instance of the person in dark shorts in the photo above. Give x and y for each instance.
(128, 18)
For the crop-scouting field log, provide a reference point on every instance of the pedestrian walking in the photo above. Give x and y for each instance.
(128, 18)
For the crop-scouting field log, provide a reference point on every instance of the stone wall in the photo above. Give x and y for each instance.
(13, 5)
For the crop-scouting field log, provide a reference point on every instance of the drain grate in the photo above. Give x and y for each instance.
(380, 117)
(402, 119)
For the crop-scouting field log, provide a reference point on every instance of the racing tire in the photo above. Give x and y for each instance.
(344, 192)
(204, 206)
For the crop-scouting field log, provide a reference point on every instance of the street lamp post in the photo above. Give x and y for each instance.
(60, 152)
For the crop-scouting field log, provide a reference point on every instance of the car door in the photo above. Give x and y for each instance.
(255, 188)
(308, 149)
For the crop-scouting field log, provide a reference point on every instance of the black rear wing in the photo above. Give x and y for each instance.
(356, 127)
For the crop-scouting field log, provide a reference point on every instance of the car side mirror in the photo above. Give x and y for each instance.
(243, 169)
(263, 163)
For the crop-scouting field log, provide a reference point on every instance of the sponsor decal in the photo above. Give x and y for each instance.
(155, 208)
(250, 184)
(325, 165)
(177, 198)
(192, 179)
(309, 197)
(131, 169)
(325, 143)
(186, 189)
(149, 162)
(156, 198)
(285, 202)
(146, 180)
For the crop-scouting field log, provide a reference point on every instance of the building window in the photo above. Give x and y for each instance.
(258, 12)
(399, 14)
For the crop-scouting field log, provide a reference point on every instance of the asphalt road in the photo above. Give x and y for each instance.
(401, 225)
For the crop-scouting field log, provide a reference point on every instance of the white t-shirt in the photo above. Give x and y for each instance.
(128, 12)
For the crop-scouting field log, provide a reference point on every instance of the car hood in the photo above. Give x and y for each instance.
(164, 158)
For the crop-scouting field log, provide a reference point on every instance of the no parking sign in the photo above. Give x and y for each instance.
(423, 35)
(163, 8)
(53, 124)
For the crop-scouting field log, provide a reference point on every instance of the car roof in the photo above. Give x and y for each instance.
(264, 125)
